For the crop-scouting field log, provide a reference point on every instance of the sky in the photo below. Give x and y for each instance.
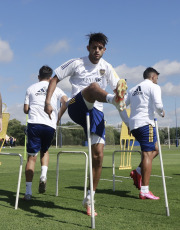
(141, 33)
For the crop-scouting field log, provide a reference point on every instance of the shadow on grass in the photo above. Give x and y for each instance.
(120, 194)
(27, 206)
(108, 192)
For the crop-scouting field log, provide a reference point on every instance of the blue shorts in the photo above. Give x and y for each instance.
(77, 110)
(146, 136)
(39, 137)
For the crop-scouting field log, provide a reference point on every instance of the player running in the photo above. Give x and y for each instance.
(40, 129)
(89, 77)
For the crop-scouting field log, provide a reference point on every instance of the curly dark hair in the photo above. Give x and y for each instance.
(97, 37)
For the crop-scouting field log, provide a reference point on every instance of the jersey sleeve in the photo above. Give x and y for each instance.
(60, 93)
(66, 69)
(113, 78)
(26, 101)
(156, 96)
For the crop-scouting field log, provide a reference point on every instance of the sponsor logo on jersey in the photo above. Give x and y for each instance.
(137, 91)
(42, 91)
(102, 72)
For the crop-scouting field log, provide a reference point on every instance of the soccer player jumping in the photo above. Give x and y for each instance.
(89, 77)
(145, 99)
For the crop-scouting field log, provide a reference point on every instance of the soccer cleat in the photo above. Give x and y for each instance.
(87, 204)
(137, 178)
(148, 195)
(120, 93)
(27, 197)
(42, 184)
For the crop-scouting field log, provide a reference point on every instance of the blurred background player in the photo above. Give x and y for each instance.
(89, 77)
(145, 99)
(40, 129)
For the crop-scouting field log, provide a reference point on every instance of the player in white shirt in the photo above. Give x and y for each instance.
(40, 129)
(89, 77)
(145, 99)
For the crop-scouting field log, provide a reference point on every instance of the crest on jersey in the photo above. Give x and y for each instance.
(102, 72)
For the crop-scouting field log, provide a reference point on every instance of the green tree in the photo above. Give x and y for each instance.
(16, 130)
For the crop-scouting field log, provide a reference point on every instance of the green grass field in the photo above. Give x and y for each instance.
(116, 210)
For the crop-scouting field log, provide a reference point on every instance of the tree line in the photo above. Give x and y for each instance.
(71, 134)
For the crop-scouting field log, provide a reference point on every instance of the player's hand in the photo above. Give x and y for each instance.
(163, 113)
(48, 109)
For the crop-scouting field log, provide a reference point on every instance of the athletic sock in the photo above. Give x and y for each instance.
(145, 189)
(89, 194)
(44, 171)
(109, 98)
(138, 170)
(28, 188)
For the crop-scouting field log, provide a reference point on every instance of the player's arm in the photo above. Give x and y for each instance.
(0, 113)
(158, 101)
(52, 85)
(63, 108)
(26, 108)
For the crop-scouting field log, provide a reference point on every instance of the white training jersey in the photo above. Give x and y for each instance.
(83, 72)
(35, 98)
(145, 99)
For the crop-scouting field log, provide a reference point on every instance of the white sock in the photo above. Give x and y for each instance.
(109, 98)
(89, 194)
(138, 170)
(145, 189)
(28, 188)
(44, 171)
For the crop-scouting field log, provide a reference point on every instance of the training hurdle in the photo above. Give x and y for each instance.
(19, 177)
(5, 120)
(113, 163)
(86, 169)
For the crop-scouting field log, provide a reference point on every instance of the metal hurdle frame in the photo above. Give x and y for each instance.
(19, 177)
(86, 169)
(90, 171)
(162, 168)
(113, 163)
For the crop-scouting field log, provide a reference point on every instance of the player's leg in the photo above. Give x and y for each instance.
(46, 134)
(44, 159)
(97, 160)
(29, 173)
(94, 93)
(33, 147)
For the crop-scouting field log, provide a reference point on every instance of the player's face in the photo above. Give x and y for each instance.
(155, 78)
(96, 51)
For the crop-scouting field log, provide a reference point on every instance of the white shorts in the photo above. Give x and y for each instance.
(95, 139)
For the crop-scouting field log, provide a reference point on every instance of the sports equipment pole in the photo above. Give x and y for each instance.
(90, 171)
(162, 169)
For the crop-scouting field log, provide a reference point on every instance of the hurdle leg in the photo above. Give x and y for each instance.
(57, 173)
(162, 169)
(19, 182)
(90, 171)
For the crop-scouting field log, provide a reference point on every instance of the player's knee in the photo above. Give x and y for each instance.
(93, 87)
(98, 158)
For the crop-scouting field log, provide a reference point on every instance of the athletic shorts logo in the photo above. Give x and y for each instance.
(137, 91)
(72, 101)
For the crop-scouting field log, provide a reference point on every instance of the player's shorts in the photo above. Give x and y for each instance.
(77, 110)
(146, 136)
(39, 137)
